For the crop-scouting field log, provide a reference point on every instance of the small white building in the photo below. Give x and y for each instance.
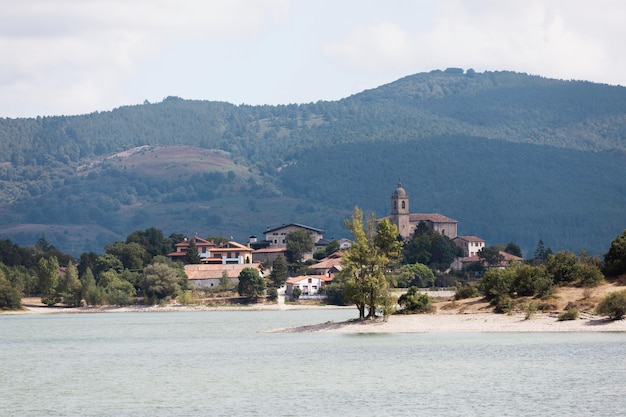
(309, 285)
(471, 245)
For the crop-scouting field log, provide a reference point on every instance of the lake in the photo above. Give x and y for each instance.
(222, 363)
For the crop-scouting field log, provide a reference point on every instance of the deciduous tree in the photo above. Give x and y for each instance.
(374, 250)
(251, 283)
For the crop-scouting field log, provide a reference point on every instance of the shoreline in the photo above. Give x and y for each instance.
(440, 322)
(464, 323)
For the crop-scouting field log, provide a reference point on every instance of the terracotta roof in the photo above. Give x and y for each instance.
(507, 258)
(297, 279)
(432, 217)
(326, 263)
(213, 271)
(297, 225)
(270, 250)
(470, 238)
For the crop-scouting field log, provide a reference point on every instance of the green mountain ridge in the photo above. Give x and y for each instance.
(512, 157)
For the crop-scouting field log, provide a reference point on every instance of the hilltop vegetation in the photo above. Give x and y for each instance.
(512, 157)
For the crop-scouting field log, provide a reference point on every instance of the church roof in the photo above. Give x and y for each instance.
(432, 217)
(399, 191)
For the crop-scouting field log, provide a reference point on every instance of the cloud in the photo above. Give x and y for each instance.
(566, 39)
(77, 54)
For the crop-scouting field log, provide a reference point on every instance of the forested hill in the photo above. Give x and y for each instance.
(512, 157)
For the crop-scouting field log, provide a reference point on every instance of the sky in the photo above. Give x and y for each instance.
(69, 57)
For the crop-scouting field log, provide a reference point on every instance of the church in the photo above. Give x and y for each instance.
(407, 221)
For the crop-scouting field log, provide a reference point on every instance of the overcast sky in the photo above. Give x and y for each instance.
(80, 56)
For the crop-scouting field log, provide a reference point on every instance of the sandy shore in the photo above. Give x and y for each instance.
(474, 322)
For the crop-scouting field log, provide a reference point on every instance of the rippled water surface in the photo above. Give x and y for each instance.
(224, 364)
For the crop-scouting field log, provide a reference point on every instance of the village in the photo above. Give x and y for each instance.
(228, 259)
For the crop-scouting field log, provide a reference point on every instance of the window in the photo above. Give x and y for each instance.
(310, 280)
(395, 205)
(403, 204)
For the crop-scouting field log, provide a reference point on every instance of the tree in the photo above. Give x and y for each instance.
(70, 289)
(133, 255)
(280, 271)
(541, 253)
(491, 256)
(430, 248)
(513, 249)
(251, 283)
(192, 256)
(10, 297)
(367, 263)
(299, 242)
(418, 275)
(159, 281)
(48, 274)
(415, 302)
(613, 305)
(615, 258)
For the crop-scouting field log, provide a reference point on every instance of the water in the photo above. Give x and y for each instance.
(223, 364)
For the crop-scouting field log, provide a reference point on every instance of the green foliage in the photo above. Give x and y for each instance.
(187, 298)
(497, 284)
(531, 281)
(513, 249)
(613, 305)
(272, 294)
(296, 293)
(280, 272)
(501, 121)
(569, 314)
(568, 269)
(251, 284)
(48, 273)
(615, 258)
(415, 302)
(10, 297)
(160, 281)
(70, 288)
(491, 256)
(374, 251)
(465, 291)
(415, 275)
(430, 248)
(299, 242)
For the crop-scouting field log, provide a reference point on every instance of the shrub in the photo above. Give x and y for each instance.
(272, 294)
(531, 309)
(465, 291)
(187, 298)
(415, 302)
(613, 305)
(504, 305)
(569, 314)
(589, 276)
(497, 284)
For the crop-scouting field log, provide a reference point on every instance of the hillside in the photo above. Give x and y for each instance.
(512, 157)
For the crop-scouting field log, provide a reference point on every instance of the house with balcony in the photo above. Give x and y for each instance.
(214, 253)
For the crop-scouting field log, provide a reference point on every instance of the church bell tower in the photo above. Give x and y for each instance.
(400, 211)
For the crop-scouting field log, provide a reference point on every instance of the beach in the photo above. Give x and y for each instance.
(470, 322)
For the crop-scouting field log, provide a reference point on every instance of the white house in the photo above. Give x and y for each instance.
(471, 245)
(309, 285)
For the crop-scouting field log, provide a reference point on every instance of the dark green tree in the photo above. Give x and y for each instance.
(192, 256)
(70, 289)
(10, 297)
(416, 275)
(615, 258)
(280, 272)
(48, 274)
(299, 242)
(513, 249)
(491, 256)
(251, 283)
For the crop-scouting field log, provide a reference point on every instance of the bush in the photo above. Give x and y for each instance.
(187, 298)
(613, 305)
(569, 314)
(465, 291)
(415, 302)
(504, 304)
(272, 294)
